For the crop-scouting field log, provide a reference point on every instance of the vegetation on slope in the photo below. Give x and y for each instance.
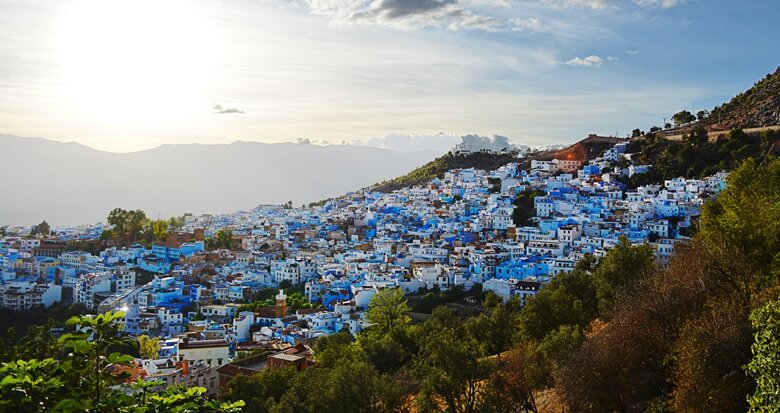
(757, 107)
(621, 335)
(696, 156)
(442, 164)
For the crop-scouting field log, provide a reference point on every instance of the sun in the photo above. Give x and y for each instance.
(135, 61)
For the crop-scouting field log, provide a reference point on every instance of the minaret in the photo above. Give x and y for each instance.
(281, 305)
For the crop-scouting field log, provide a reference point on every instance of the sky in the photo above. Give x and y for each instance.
(124, 76)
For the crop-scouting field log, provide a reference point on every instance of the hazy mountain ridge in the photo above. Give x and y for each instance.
(69, 183)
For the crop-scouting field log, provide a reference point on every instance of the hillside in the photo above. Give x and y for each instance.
(440, 165)
(68, 183)
(757, 107)
(584, 150)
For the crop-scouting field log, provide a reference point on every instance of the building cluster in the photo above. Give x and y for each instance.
(457, 231)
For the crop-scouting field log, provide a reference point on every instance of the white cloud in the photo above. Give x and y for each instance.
(632, 52)
(518, 24)
(406, 14)
(663, 4)
(398, 141)
(589, 4)
(589, 61)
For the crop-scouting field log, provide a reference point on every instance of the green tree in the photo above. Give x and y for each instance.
(569, 299)
(160, 229)
(41, 229)
(148, 347)
(683, 117)
(387, 309)
(623, 266)
(80, 378)
(118, 219)
(223, 238)
(495, 331)
(524, 207)
(450, 366)
(764, 367)
(135, 223)
(746, 215)
(260, 392)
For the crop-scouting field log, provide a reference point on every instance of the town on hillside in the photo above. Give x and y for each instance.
(234, 294)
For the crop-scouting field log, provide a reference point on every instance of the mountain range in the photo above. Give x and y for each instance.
(69, 183)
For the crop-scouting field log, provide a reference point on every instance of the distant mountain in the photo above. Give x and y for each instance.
(757, 107)
(68, 183)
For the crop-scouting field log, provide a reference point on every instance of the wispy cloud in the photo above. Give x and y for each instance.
(663, 4)
(518, 24)
(589, 61)
(589, 4)
(219, 110)
(406, 14)
(592, 4)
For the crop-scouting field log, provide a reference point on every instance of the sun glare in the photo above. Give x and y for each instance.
(136, 61)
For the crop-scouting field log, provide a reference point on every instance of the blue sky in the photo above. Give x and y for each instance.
(128, 75)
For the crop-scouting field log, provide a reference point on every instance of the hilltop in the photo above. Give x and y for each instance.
(436, 168)
(584, 150)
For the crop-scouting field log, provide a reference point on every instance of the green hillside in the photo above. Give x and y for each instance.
(442, 164)
(757, 107)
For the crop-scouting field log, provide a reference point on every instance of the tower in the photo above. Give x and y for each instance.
(281, 305)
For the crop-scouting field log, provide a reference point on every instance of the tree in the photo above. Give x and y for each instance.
(683, 117)
(698, 137)
(702, 114)
(148, 347)
(524, 207)
(261, 392)
(118, 219)
(134, 223)
(764, 367)
(450, 366)
(160, 229)
(387, 309)
(569, 299)
(747, 215)
(81, 379)
(623, 266)
(495, 331)
(223, 238)
(127, 223)
(636, 133)
(495, 185)
(41, 229)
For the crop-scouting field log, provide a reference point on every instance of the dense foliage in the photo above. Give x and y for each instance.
(133, 226)
(524, 207)
(623, 334)
(696, 156)
(80, 375)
